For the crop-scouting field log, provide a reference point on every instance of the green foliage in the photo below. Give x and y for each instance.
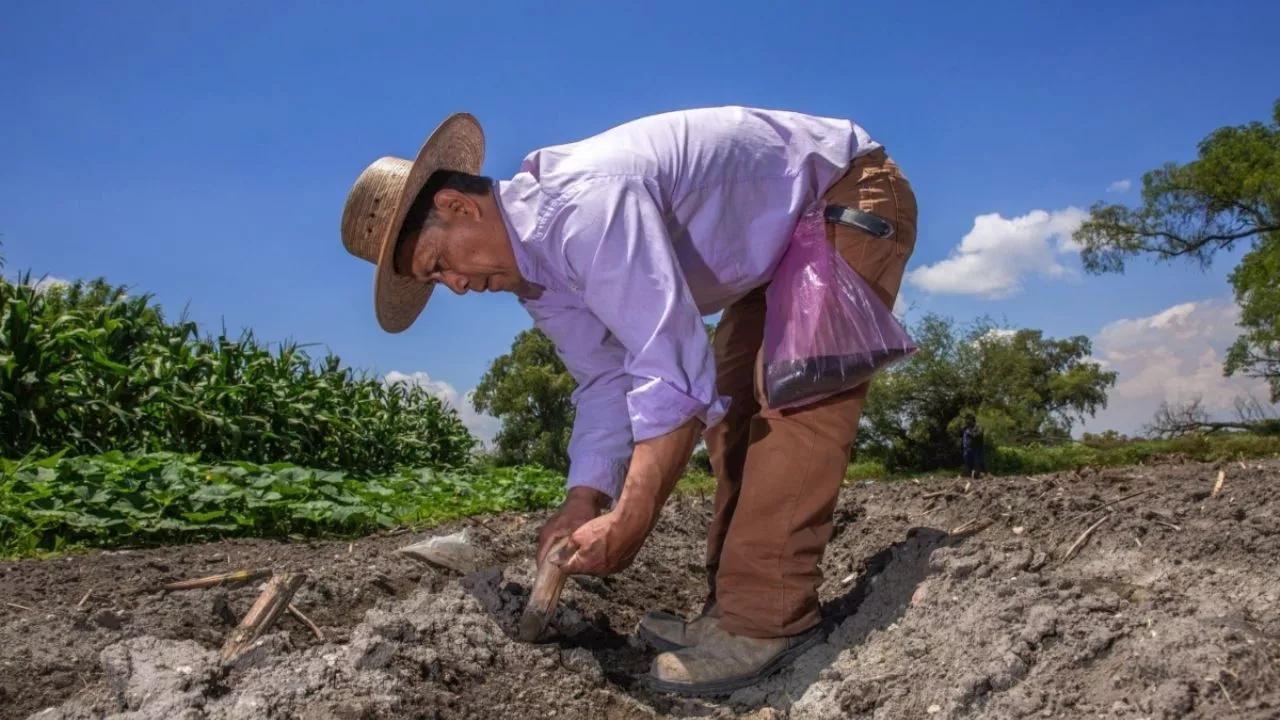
(60, 503)
(87, 368)
(1022, 386)
(1040, 458)
(1105, 440)
(1035, 459)
(866, 470)
(1256, 352)
(1228, 195)
(697, 482)
(531, 392)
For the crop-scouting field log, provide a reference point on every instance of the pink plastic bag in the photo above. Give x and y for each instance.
(826, 331)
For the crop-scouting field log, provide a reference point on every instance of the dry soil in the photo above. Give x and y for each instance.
(944, 601)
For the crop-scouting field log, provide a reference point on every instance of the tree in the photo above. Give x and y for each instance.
(1190, 418)
(1022, 386)
(1230, 194)
(531, 391)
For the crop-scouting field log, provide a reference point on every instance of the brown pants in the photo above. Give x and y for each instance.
(778, 473)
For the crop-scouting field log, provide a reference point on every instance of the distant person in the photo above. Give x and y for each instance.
(618, 245)
(971, 442)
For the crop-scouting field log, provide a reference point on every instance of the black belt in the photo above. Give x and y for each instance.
(860, 219)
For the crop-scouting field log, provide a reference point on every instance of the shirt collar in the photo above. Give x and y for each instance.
(522, 204)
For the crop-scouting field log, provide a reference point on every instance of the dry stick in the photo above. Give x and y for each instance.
(273, 600)
(940, 493)
(1217, 487)
(214, 580)
(1223, 688)
(971, 527)
(20, 607)
(1118, 500)
(1103, 506)
(84, 599)
(307, 621)
(1083, 536)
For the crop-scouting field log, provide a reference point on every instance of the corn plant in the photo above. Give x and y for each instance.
(89, 369)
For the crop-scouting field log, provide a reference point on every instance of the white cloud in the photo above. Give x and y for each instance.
(49, 282)
(484, 427)
(1120, 186)
(997, 334)
(1176, 356)
(900, 306)
(995, 257)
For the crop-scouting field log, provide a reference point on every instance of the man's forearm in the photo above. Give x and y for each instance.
(656, 467)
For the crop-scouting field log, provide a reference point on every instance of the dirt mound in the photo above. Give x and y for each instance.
(943, 602)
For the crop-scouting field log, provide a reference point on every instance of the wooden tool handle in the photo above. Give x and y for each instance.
(546, 591)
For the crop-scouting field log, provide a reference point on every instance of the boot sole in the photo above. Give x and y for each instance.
(726, 687)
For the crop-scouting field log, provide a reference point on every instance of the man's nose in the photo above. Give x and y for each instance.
(458, 283)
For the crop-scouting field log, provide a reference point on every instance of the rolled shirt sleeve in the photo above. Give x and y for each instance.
(618, 251)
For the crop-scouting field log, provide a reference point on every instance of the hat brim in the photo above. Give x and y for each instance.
(456, 144)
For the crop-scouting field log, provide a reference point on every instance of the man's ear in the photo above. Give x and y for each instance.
(452, 203)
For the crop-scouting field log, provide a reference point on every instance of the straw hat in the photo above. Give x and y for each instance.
(381, 197)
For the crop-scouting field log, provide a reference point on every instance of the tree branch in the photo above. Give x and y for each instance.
(1184, 245)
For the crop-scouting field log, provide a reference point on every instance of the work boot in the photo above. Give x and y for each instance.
(722, 662)
(665, 632)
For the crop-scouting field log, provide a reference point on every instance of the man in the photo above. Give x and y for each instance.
(618, 245)
(971, 445)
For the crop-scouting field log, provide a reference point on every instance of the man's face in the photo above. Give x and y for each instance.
(467, 249)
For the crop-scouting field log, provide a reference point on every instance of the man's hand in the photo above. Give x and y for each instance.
(609, 544)
(582, 505)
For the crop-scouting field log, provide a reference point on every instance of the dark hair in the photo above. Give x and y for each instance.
(422, 211)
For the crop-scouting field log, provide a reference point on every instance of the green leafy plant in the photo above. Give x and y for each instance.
(57, 503)
(89, 369)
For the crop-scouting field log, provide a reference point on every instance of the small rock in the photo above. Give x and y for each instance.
(965, 566)
(582, 662)
(109, 619)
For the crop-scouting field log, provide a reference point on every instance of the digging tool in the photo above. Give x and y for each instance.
(546, 591)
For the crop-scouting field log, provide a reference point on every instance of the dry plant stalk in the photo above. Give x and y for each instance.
(274, 599)
(306, 621)
(1083, 536)
(1130, 496)
(1217, 487)
(237, 576)
(940, 493)
(971, 527)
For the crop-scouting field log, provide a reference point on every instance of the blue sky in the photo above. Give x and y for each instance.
(202, 151)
